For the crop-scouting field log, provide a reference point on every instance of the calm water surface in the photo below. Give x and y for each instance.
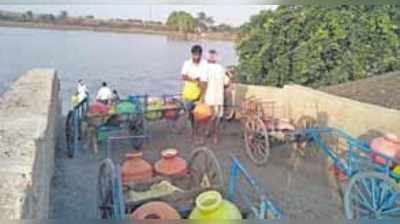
(131, 63)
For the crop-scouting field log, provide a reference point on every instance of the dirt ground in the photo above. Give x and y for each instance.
(382, 90)
(303, 192)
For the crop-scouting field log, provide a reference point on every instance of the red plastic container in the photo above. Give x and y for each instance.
(134, 168)
(202, 113)
(171, 164)
(98, 108)
(170, 111)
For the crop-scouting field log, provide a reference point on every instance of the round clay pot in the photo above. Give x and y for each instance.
(134, 168)
(171, 164)
(155, 210)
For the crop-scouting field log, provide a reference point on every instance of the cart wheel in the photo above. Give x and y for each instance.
(204, 169)
(372, 195)
(108, 192)
(256, 140)
(70, 134)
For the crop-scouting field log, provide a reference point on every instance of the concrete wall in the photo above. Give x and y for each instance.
(355, 117)
(28, 118)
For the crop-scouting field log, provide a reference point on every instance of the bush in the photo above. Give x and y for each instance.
(317, 46)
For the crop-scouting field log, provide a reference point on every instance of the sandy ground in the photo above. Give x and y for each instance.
(382, 90)
(303, 192)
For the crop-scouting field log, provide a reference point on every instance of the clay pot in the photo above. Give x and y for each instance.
(156, 210)
(171, 164)
(388, 145)
(202, 113)
(170, 111)
(134, 168)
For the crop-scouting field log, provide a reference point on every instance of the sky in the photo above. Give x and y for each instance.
(223, 13)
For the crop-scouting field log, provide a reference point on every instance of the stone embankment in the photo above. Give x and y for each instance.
(29, 120)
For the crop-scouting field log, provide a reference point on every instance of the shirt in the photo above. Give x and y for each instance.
(104, 93)
(193, 70)
(82, 92)
(216, 79)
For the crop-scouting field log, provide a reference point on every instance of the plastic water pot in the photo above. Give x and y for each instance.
(202, 112)
(211, 206)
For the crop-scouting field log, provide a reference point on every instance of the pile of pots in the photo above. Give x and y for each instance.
(208, 205)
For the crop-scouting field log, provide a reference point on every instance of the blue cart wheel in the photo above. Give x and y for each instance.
(70, 134)
(256, 140)
(372, 195)
(108, 192)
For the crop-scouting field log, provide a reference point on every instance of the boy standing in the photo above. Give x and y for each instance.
(214, 83)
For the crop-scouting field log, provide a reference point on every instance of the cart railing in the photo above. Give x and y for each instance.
(358, 154)
(260, 208)
(79, 111)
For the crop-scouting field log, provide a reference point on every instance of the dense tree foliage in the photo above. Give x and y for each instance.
(319, 45)
(181, 21)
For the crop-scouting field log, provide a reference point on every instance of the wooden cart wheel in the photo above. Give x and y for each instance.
(204, 169)
(70, 134)
(372, 195)
(108, 196)
(256, 140)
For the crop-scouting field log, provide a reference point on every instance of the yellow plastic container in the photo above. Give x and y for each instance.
(74, 100)
(191, 91)
(211, 206)
(396, 170)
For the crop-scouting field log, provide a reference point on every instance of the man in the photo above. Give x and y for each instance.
(214, 83)
(192, 71)
(82, 90)
(104, 94)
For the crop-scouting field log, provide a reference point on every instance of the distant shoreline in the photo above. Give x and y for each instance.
(214, 36)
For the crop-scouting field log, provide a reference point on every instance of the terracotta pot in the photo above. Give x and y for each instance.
(134, 168)
(202, 113)
(156, 210)
(171, 164)
(388, 145)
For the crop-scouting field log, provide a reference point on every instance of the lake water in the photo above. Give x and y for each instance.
(131, 63)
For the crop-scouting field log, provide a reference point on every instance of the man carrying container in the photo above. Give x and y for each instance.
(192, 72)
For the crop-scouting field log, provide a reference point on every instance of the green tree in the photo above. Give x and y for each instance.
(181, 21)
(316, 45)
(204, 22)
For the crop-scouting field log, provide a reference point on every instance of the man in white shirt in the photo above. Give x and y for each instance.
(104, 94)
(214, 83)
(192, 71)
(82, 90)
